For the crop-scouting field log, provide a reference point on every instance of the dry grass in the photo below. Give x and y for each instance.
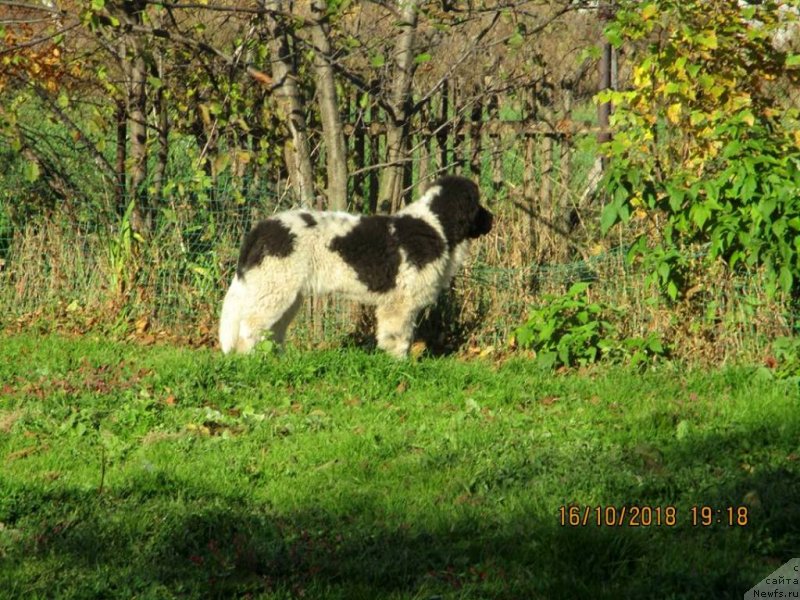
(8, 418)
(59, 277)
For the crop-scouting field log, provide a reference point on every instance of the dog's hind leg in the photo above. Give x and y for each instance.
(231, 315)
(395, 328)
(272, 312)
(279, 327)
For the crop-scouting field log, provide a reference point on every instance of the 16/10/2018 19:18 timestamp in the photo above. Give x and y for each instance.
(652, 516)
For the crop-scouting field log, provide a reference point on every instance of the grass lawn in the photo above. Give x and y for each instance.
(160, 472)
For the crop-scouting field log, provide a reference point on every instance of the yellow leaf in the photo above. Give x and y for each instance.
(674, 112)
(748, 118)
(141, 324)
(597, 249)
(417, 348)
(205, 114)
(752, 498)
(648, 11)
(708, 39)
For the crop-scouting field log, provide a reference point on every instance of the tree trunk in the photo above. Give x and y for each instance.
(604, 109)
(162, 120)
(475, 138)
(120, 170)
(607, 74)
(359, 156)
(397, 128)
(159, 176)
(135, 79)
(298, 157)
(332, 129)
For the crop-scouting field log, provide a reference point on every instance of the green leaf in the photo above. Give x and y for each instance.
(792, 60)
(546, 332)
(592, 52)
(422, 58)
(577, 288)
(663, 271)
(378, 60)
(546, 360)
(766, 207)
(63, 100)
(676, 197)
(672, 291)
(98, 5)
(524, 336)
(785, 279)
(31, 171)
(608, 217)
(563, 354)
(699, 214)
(708, 39)
(516, 40)
(613, 34)
(748, 187)
(732, 149)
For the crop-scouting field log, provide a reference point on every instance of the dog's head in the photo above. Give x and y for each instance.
(458, 209)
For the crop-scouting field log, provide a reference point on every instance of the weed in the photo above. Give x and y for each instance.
(571, 329)
(786, 352)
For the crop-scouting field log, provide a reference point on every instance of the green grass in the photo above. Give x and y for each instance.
(158, 472)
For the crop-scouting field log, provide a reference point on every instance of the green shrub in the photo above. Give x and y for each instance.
(706, 149)
(786, 351)
(572, 330)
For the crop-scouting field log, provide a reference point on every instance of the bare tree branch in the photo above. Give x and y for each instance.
(67, 120)
(251, 10)
(35, 7)
(166, 34)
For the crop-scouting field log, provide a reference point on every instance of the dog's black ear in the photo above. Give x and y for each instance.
(458, 209)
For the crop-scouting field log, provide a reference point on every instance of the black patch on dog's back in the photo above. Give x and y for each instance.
(267, 238)
(308, 219)
(422, 243)
(371, 251)
(458, 209)
(372, 248)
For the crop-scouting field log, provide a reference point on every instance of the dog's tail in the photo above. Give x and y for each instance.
(231, 315)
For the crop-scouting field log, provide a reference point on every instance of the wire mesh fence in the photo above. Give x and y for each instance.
(89, 276)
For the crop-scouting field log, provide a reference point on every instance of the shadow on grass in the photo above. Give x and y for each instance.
(159, 537)
(446, 328)
(443, 327)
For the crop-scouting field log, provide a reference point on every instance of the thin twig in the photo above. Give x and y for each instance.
(28, 6)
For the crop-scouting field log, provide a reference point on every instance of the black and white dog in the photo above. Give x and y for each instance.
(398, 263)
